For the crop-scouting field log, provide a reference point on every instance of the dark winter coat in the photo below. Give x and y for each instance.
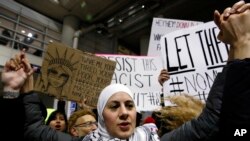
(35, 129)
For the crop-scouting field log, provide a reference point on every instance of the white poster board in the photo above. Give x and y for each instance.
(193, 57)
(162, 26)
(140, 74)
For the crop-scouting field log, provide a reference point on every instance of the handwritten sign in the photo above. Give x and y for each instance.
(140, 74)
(162, 26)
(193, 57)
(72, 74)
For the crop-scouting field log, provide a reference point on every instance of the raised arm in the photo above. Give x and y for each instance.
(13, 77)
(206, 126)
(236, 98)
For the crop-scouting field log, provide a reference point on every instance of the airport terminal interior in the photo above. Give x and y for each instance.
(106, 26)
(95, 26)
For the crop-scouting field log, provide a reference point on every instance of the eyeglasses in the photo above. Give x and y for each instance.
(86, 124)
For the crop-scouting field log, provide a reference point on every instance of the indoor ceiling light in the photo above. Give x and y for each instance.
(55, 1)
(83, 4)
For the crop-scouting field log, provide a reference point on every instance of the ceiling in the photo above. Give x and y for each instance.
(128, 20)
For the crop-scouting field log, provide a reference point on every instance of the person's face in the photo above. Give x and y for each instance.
(120, 115)
(84, 125)
(57, 76)
(58, 123)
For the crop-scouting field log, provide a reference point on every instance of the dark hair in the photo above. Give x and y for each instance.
(138, 118)
(52, 116)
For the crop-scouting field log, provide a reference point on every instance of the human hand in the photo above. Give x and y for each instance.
(29, 82)
(15, 73)
(83, 104)
(164, 76)
(237, 8)
(230, 22)
(234, 29)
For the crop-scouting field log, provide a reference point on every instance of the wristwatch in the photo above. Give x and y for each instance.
(10, 95)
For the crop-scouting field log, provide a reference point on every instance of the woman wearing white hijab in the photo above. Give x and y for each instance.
(117, 118)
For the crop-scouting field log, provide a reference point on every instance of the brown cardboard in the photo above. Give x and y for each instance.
(71, 74)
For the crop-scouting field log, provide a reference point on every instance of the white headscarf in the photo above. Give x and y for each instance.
(143, 133)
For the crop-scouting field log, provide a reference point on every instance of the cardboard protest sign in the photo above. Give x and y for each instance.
(140, 74)
(72, 74)
(162, 26)
(193, 57)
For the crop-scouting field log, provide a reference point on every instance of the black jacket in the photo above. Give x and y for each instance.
(12, 119)
(235, 111)
(35, 129)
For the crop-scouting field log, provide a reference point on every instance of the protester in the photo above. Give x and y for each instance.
(58, 118)
(116, 119)
(82, 122)
(116, 112)
(118, 104)
(206, 126)
(10, 100)
(235, 115)
(58, 121)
